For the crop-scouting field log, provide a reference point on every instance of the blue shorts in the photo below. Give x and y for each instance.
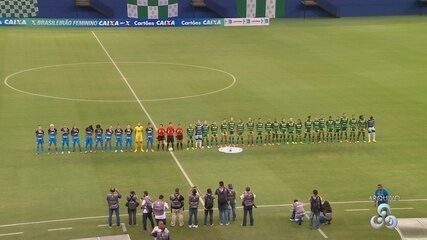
(89, 140)
(39, 140)
(128, 140)
(119, 139)
(108, 139)
(150, 140)
(52, 140)
(76, 140)
(98, 139)
(65, 140)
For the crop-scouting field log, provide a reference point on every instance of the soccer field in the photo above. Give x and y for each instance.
(293, 68)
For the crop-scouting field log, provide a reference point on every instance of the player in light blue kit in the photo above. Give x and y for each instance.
(65, 131)
(39, 139)
(128, 133)
(76, 139)
(149, 133)
(98, 137)
(108, 136)
(89, 139)
(52, 132)
(118, 132)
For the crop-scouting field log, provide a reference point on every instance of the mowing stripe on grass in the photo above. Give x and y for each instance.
(143, 109)
(124, 215)
(11, 234)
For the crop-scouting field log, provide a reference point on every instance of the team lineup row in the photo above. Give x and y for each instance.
(202, 134)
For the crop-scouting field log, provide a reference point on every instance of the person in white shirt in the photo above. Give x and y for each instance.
(159, 210)
(147, 211)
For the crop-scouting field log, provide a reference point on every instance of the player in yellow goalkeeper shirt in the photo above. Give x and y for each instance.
(139, 129)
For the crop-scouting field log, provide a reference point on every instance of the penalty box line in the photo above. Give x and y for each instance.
(143, 109)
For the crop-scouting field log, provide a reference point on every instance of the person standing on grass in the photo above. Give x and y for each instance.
(205, 133)
(160, 232)
(128, 142)
(159, 210)
(179, 134)
(381, 195)
(177, 207)
(222, 193)
(76, 139)
(108, 138)
(250, 126)
(371, 129)
(39, 139)
(223, 129)
(139, 129)
(149, 134)
(361, 125)
(209, 204)
(147, 211)
(232, 202)
(248, 202)
(118, 132)
(198, 128)
(353, 128)
(98, 137)
(65, 131)
(214, 134)
(113, 206)
(315, 208)
(132, 204)
(190, 137)
(161, 137)
(193, 205)
(170, 132)
(89, 139)
(52, 133)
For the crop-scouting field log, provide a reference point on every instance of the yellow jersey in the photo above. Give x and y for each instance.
(139, 130)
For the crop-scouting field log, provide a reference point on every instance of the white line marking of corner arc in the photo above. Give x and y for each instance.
(142, 107)
(11, 234)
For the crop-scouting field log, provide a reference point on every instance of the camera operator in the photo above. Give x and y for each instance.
(113, 206)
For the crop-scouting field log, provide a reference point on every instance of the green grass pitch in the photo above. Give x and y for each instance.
(292, 68)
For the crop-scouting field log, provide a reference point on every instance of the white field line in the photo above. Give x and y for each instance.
(124, 229)
(403, 208)
(143, 109)
(124, 215)
(357, 210)
(319, 230)
(11, 234)
(59, 229)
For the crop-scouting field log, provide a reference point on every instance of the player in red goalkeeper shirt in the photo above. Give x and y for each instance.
(179, 136)
(170, 136)
(161, 137)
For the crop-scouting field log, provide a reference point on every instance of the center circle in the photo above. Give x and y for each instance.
(93, 82)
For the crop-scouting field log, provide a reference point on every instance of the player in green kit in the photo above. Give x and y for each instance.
(298, 131)
(290, 127)
(276, 128)
(283, 129)
(337, 132)
(223, 128)
(361, 124)
(205, 131)
(190, 137)
(308, 129)
(316, 130)
(353, 128)
(268, 126)
(240, 132)
(231, 131)
(330, 127)
(344, 126)
(259, 131)
(214, 134)
(322, 127)
(250, 126)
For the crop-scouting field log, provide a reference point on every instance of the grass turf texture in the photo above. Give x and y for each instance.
(290, 69)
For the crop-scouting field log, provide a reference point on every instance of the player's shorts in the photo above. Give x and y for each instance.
(199, 136)
(39, 141)
(308, 131)
(119, 139)
(170, 139)
(179, 137)
(99, 139)
(76, 140)
(138, 138)
(352, 129)
(150, 141)
(231, 133)
(108, 139)
(52, 140)
(160, 138)
(223, 133)
(371, 129)
(291, 132)
(65, 139)
(337, 130)
(250, 132)
(89, 140)
(240, 134)
(259, 133)
(344, 129)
